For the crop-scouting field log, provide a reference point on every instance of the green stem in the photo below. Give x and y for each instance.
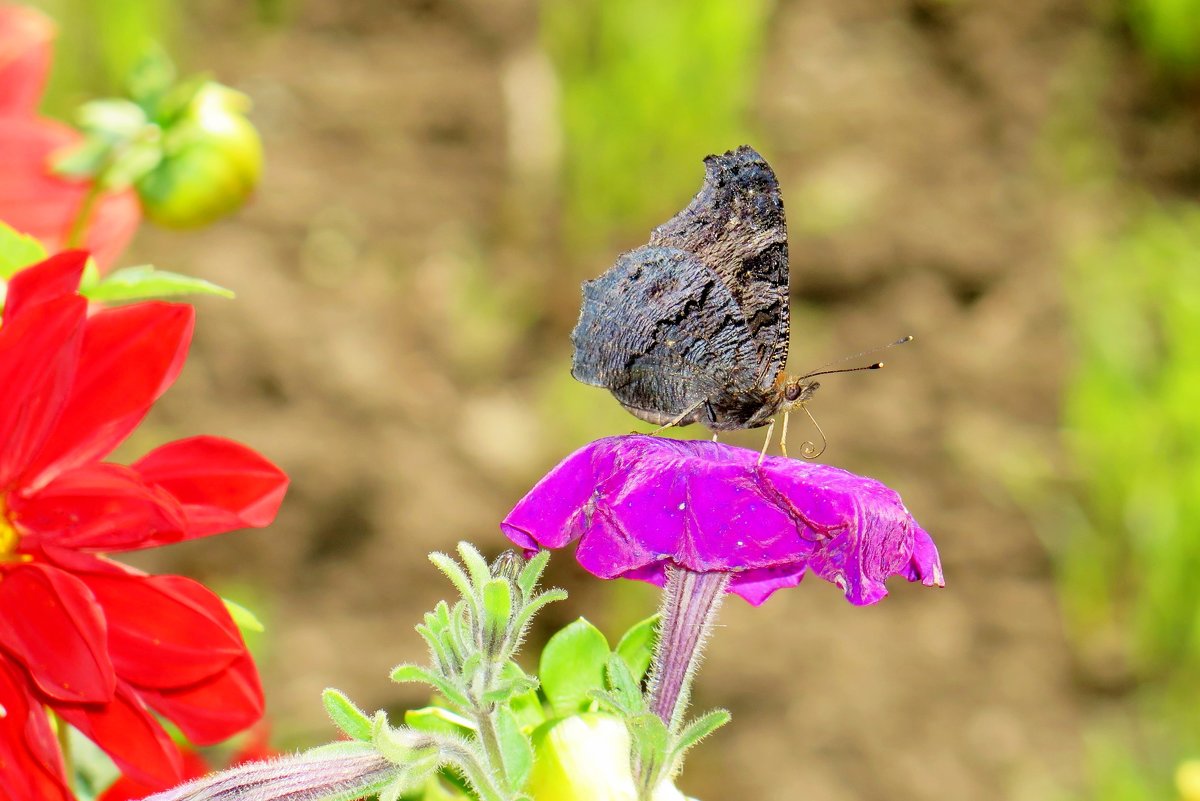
(64, 745)
(77, 233)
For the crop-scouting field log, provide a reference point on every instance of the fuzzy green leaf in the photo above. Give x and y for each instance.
(438, 720)
(698, 729)
(636, 646)
(346, 716)
(476, 565)
(531, 573)
(572, 665)
(515, 748)
(455, 573)
(417, 674)
(497, 609)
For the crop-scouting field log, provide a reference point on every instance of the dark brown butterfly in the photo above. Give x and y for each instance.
(693, 326)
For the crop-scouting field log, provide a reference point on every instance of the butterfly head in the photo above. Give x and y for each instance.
(797, 390)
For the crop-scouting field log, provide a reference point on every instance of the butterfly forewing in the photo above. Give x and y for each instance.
(735, 226)
(663, 333)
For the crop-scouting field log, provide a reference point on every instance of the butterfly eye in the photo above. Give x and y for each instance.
(792, 392)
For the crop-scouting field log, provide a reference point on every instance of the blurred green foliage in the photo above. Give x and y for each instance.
(1130, 556)
(1168, 30)
(1133, 419)
(99, 44)
(644, 86)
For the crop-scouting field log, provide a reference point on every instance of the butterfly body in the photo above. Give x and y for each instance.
(693, 326)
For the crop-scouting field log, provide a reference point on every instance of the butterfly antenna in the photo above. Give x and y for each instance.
(808, 450)
(823, 371)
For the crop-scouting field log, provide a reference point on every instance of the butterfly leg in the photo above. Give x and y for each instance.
(787, 416)
(678, 419)
(767, 441)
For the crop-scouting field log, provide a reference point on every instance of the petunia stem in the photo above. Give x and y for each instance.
(689, 607)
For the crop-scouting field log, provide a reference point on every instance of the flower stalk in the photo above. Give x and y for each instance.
(689, 607)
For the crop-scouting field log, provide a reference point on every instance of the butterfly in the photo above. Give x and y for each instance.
(693, 326)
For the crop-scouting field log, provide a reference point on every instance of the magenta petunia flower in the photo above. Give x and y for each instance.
(639, 504)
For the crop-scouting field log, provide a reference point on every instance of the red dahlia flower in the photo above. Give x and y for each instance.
(98, 643)
(33, 199)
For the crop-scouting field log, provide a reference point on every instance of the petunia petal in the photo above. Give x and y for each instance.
(130, 356)
(637, 504)
(56, 277)
(98, 507)
(215, 709)
(165, 631)
(126, 731)
(37, 202)
(59, 635)
(222, 484)
(25, 37)
(31, 767)
(38, 354)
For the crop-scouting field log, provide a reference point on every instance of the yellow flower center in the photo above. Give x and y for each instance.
(8, 534)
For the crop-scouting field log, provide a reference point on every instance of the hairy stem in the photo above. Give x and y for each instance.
(689, 607)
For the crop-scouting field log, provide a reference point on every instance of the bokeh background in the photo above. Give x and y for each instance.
(1013, 183)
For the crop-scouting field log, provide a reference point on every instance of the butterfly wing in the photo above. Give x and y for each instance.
(663, 333)
(735, 226)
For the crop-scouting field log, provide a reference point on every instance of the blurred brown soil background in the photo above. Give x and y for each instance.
(400, 346)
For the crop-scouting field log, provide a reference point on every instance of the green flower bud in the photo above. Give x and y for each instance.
(586, 758)
(212, 161)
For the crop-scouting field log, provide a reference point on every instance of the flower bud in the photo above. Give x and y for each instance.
(586, 758)
(212, 161)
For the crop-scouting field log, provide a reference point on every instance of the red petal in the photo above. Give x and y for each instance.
(126, 789)
(165, 631)
(128, 733)
(222, 485)
(31, 767)
(35, 201)
(102, 507)
(38, 353)
(56, 277)
(130, 356)
(216, 709)
(52, 625)
(25, 37)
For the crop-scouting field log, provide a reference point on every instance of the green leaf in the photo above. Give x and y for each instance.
(144, 281)
(497, 609)
(455, 573)
(700, 728)
(477, 566)
(438, 720)
(623, 684)
(637, 646)
(419, 675)
(150, 77)
(651, 744)
(530, 574)
(114, 119)
(85, 160)
(515, 748)
(17, 250)
(346, 716)
(243, 617)
(572, 665)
